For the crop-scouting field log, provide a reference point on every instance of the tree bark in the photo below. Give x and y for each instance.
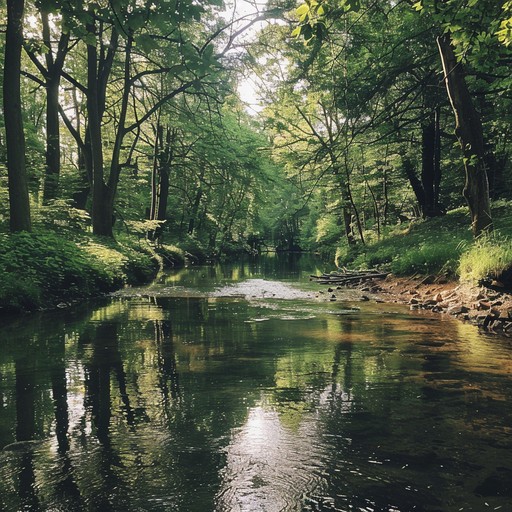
(430, 166)
(15, 138)
(469, 132)
(51, 179)
(427, 167)
(160, 177)
(416, 185)
(54, 67)
(101, 213)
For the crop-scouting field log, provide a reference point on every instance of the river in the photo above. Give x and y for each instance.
(236, 388)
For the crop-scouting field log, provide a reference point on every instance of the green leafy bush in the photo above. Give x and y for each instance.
(44, 265)
(42, 268)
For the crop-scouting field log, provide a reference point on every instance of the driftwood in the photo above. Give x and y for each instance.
(348, 276)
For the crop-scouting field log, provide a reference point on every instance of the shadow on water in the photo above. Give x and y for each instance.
(251, 402)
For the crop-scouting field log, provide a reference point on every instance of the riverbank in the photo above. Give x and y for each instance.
(489, 309)
(44, 270)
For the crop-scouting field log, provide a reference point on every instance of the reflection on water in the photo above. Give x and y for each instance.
(199, 401)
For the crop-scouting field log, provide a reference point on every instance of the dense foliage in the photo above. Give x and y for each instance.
(122, 120)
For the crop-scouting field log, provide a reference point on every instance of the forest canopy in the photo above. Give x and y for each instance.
(124, 117)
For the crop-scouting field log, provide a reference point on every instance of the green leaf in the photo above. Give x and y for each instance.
(296, 32)
(89, 39)
(302, 10)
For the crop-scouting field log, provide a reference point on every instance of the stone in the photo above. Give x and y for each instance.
(457, 310)
(483, 305)
(439, 297)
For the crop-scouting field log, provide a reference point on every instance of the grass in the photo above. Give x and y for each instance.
(443, 245)
(489, 258)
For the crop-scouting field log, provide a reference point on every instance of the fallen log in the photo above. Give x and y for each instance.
(348, 277)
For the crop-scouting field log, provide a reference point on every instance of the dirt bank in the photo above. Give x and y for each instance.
(490, 309)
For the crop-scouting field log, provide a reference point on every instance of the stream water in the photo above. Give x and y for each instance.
(234, 388)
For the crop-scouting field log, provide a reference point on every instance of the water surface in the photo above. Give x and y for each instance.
(234, 388)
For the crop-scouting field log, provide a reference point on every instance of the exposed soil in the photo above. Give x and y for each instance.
(490, 309)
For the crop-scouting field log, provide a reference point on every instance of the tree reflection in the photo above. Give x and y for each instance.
(26, 428)
(168, 378)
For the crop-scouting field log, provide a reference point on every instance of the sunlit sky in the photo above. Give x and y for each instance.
(248, 85)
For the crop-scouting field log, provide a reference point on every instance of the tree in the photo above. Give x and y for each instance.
(468, 128)
(15, 138)
(468, 31)
(51, 73)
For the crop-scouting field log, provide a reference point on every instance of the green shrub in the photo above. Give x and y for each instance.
(42, 268)
(19, 293)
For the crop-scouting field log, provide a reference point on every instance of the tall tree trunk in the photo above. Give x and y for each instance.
(101, 213)
(430, 166)
(469, 132)
(346, 204)
(15, 138)
(428, 132)
(195, 211)
(54, 66)
(164, 154)
(197, 202)
(165, 171)
(437, 159)
(51, 180)
(416, 185)
(348, 192)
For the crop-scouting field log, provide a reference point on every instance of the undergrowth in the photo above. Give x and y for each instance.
(489, 258)
(442, 245)
(43, 268)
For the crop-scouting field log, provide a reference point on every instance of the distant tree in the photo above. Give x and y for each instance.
(467, 30)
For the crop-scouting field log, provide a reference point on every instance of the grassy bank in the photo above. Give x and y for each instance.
(42, 269)
(442, 245)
